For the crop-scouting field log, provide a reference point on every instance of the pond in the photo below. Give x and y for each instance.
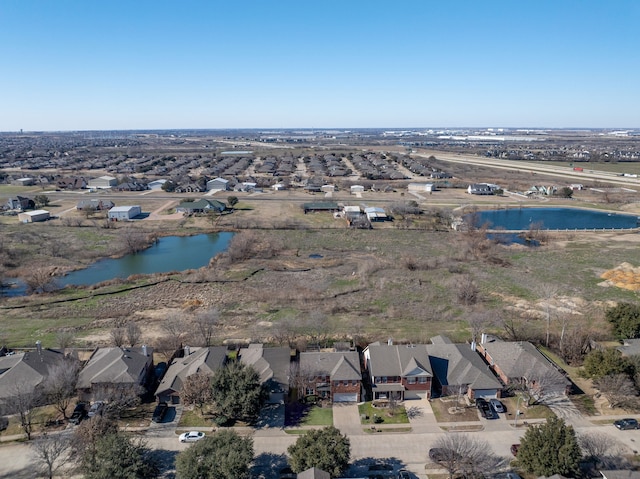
(552, 219)
(170, 253)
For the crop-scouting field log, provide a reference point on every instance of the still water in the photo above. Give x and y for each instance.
(171, 253)
(553, 219)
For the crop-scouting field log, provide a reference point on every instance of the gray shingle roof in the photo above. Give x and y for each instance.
(272, 364)
(25, 370)
(114, 365)
(399, 360)
(457, 364)
(200, 360)
(339, 366)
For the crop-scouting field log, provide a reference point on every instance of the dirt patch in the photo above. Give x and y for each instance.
(625, 276)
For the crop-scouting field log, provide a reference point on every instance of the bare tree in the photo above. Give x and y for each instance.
(285, 331)
(544, 386)
(133, 333)
(87, 433)
(39, 279)
(59, 387)
(301, 378)
(196, 390)
(65, 339)
(241, 246)
(174, 327)
(467, 291)
(118, 397)
(479, 321)
(133, 239)
(205, 324)
(617, 388)
(118, 336)
(50, 453)
(22, 402)
(601, 449)
(466, 455)
(317, 327)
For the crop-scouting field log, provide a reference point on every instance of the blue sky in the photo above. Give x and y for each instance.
(84, 65)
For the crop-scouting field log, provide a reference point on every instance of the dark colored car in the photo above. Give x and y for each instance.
(79, 413)
(514, 449)
(627, 423)
(404, 474)
(160, 412)
(486, 411)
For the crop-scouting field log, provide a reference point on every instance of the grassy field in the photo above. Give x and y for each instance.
(371, 413)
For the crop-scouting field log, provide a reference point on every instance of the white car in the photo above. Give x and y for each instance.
(191, 436)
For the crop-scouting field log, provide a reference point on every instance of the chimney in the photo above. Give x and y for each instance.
(144, 350)
(483, 338)
(390, 342)
(187, 351)
(39, 347)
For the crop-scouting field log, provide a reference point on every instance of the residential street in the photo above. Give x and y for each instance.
(401, 449)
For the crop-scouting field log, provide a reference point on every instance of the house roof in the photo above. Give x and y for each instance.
(339, 366)
(623, 474)
(457, 364)
(399, 360)
(219, 180)
(630, 347)
(199, 360)
(270, 363)
(25, 370)
(202, 204)
(520, 360)
(314, 473)
(114, 365)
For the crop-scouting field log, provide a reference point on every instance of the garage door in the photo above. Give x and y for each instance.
(485, 393)
(345, 397)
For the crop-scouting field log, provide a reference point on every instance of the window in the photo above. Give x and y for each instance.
(411, 380)
(422, 380)
(383, 379)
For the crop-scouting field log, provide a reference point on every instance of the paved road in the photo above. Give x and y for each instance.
(402, 449)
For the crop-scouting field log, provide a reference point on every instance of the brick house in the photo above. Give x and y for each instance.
(333, 375)
(399, 371)
(521, 363)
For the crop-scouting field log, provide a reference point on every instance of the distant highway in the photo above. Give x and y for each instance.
(546, 169)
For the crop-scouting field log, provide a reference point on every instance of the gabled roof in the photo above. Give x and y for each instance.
(339, 366)
(520, 359)
(202, 204)
(25, 370)
(270, 363)
(199, 360)
(399, 360)
(314, 473)
(457, 364)
(115, 366)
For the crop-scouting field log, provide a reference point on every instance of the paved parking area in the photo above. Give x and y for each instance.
(347, 418)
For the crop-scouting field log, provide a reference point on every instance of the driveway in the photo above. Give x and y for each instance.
(347, 418)
(421, 417)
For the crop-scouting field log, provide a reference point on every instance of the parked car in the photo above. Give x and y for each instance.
(79, 413)
(437, 454)
(514, 449)
(191, 436)
(627, 423)
(485, 409)
(404, 474)
(160, 412)
(497, 405)
(287, 473)
(96, 409)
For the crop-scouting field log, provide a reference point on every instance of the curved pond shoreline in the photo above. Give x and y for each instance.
(553, 219)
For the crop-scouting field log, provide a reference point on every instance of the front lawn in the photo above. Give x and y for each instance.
(380, 415)
(298, 414)
(192, 418)
(445, 410)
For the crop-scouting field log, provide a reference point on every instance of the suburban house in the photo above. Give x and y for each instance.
(398, 371)
(459, 370)
(115, 367)
(334, 375)
(521, 363)
(124, 213)
(320, 206)
(273, 365)
(103, 182)
(33, 216)
(194, 360)
(217, 184)
(356, 189)
(328, 188)
(421, 187)
(200, 206)
(480, 189)
(156, 185)
(21, 203)
(98, 205)
(24, 372)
